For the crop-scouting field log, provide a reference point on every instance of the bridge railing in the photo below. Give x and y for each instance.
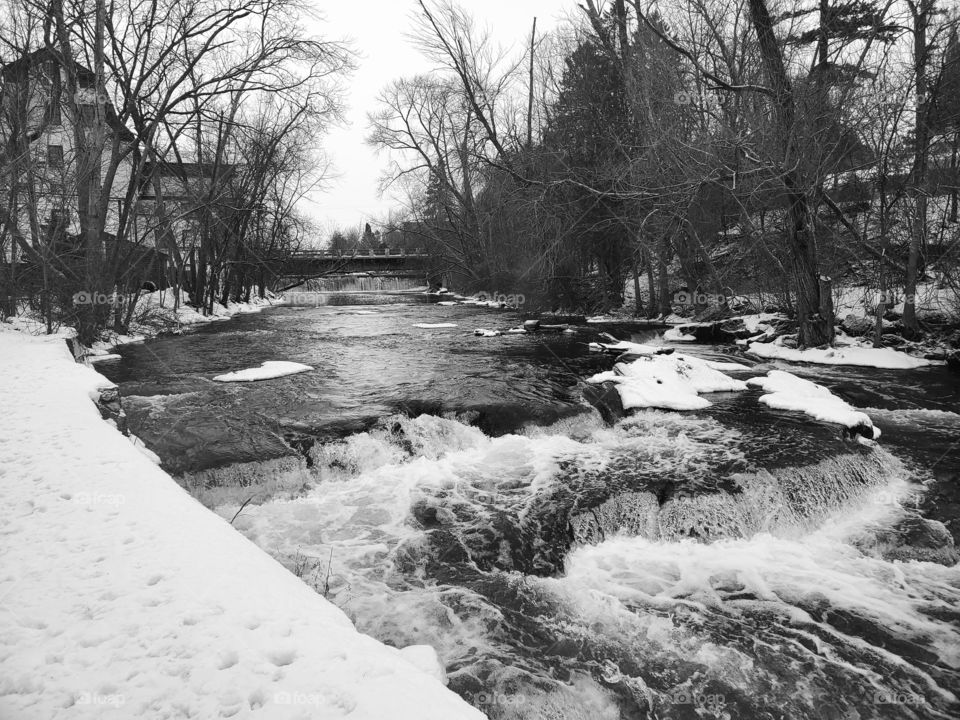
(385, 252)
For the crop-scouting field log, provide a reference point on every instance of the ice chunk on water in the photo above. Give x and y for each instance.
(267, 371)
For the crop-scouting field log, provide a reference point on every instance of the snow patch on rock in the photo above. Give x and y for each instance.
(786, 391)
(673, 382)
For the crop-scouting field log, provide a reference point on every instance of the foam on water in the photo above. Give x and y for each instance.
(820, 601)
(426, 531)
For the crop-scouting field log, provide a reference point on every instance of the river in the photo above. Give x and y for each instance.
(453, 490)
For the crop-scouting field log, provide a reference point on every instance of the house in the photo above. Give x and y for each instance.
(39, 164)
(35, 112)
(188, 191)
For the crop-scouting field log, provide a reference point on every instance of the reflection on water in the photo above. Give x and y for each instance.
(455, 490)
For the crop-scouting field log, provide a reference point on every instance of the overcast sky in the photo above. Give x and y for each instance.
(378, 29)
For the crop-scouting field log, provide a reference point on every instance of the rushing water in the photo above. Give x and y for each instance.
(454, 490)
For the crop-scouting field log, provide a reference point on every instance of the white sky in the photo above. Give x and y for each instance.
(378, 29)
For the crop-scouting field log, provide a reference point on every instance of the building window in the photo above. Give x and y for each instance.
(53, 112)
(55, 155)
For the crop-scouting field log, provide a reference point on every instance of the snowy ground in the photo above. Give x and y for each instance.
(122, 597)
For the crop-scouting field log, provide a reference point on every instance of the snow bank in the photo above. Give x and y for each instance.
(155, 313)
(788, 392)
(673, 382)
(430, 326)
(162, 301)
(884, 358)
(267, 371)
(123, 597)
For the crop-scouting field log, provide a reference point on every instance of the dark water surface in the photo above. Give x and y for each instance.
(457, 491)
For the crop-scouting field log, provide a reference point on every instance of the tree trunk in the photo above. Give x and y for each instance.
(651, 284)
(918, 231)
(533, 39)
(815, 328)
(637, 302)
(666, 307)
(953, 175)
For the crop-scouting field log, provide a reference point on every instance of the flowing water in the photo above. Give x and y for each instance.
(457, 491)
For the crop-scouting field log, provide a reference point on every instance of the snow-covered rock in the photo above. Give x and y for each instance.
(123, 597)
(673, 382)
(267, 371)
(857, 325)
(786, 391)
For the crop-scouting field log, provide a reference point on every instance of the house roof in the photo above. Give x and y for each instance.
(17, 69)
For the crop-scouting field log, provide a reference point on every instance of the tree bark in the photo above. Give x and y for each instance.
(815, 327)
(533, 39)
(918, 232)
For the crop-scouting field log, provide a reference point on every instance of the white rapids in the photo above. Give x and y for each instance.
(793, 611)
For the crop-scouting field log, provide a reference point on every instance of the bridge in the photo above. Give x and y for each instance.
(316, 263)
(309, 264)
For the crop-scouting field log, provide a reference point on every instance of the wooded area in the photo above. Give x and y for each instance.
(719, 149)
(725, 148)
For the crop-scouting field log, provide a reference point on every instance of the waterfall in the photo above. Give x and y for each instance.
(784, 502)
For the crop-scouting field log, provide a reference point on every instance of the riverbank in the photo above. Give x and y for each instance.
(121, 596)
